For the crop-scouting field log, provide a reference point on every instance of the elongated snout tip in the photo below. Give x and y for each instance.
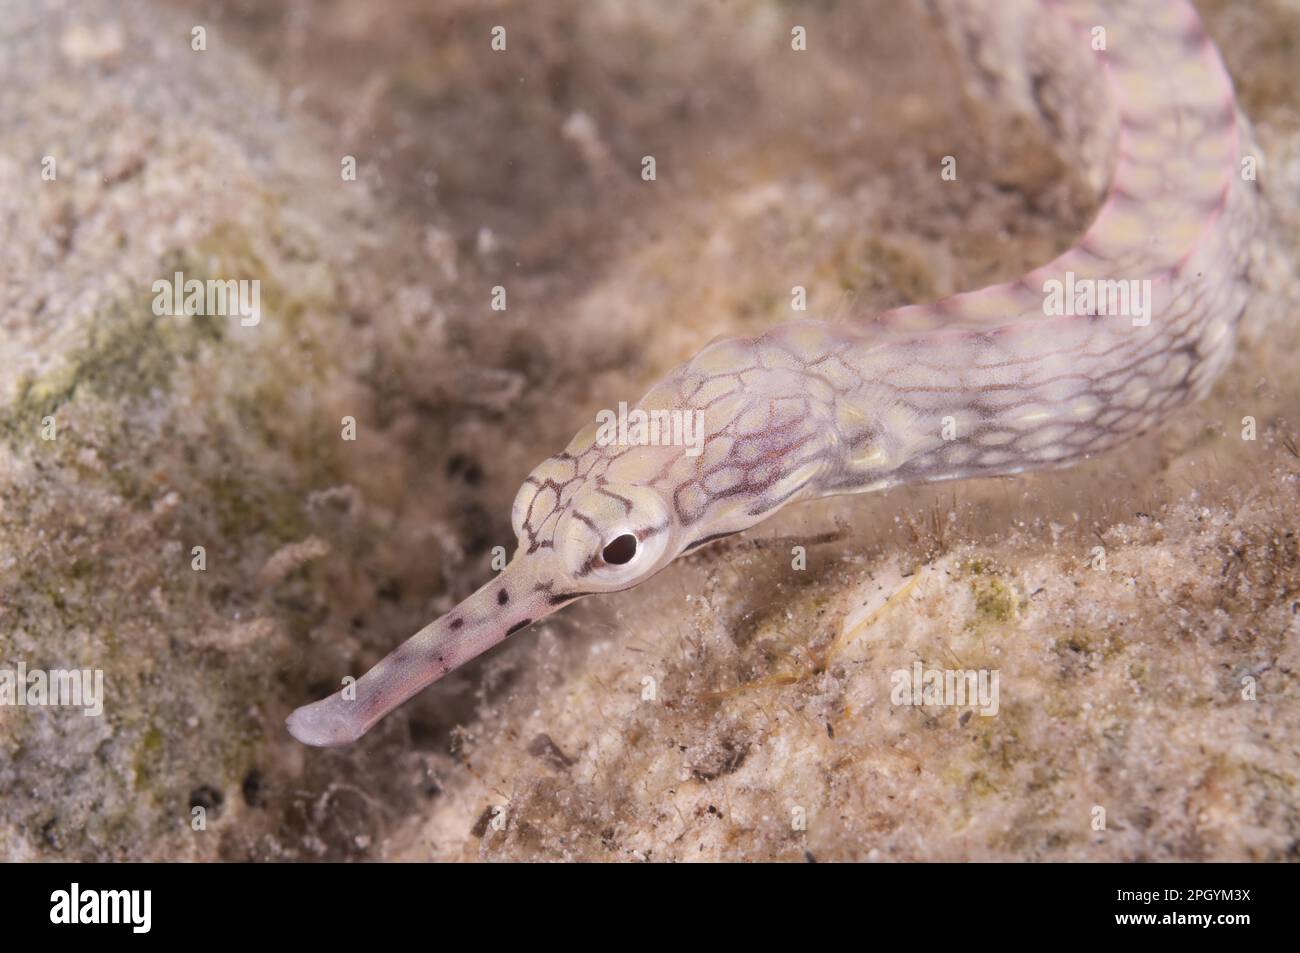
(507, 604)
(325, 724)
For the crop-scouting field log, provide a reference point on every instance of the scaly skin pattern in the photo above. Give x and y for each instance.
(986, 383)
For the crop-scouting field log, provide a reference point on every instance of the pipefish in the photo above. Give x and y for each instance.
(1132, 323)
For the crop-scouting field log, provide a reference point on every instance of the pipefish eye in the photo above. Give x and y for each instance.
(620, 551)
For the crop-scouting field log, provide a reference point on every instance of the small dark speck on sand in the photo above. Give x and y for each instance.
(481, 825)
(254, 789)
(208, 798)
(545, 749)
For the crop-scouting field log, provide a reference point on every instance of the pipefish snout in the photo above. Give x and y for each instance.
(1129, 325)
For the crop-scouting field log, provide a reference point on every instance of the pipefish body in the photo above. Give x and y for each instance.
(1018, 376)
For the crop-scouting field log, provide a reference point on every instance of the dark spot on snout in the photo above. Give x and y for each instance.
(502, 597)
(456, 623)
(566, 597)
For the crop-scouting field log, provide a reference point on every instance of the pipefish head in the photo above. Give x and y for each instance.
(594, 533)
(606, 514)
(581, 529)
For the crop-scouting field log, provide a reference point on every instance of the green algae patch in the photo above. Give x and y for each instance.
(128, 353)
(994, 600)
